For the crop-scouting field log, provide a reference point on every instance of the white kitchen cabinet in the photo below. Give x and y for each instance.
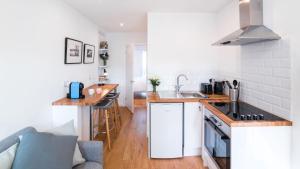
(166, 130)
(265, 147)
(192, 128)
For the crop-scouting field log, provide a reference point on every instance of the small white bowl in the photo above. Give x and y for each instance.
(91, 92)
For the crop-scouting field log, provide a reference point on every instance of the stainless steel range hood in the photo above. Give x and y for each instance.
(251, 29)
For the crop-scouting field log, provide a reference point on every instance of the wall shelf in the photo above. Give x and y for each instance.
(103, 51)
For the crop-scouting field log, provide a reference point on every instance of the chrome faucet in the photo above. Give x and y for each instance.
(178, 86)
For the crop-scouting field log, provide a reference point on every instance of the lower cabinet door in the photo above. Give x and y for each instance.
(192, 129)
(166, 130)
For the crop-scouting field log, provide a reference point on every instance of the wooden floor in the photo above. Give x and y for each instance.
(140, 103)
(129, 150)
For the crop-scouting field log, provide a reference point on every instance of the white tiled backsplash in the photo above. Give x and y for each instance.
(168, 81)
(265, 76)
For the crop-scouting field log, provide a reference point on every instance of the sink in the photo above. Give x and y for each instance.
(192, 95)
(174, 95)
(169, 95)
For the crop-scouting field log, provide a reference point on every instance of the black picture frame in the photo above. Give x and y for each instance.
(73, 51)
(89, 54)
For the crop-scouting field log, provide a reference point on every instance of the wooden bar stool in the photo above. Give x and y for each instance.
(117, 113)
(105, 107)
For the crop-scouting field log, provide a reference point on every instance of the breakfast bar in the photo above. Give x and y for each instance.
(80, 110)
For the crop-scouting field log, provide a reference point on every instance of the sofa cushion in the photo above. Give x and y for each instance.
(89, 165)
(7, 157)
(13, 139)
(69, 129)
(45, 151)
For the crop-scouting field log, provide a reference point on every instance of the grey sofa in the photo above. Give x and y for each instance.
(92, 151)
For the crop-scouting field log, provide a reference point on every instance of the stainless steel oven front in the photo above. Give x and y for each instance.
(217, 140)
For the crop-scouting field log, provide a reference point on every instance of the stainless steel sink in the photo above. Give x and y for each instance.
(169, 95)
(192, 95)
(174, 95)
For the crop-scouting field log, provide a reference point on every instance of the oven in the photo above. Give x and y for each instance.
(217, 140)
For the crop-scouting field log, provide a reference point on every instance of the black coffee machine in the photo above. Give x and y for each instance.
(213, 87)
(219, 87)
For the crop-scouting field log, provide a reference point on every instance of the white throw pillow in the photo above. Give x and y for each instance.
(7, 157)
(69, 129)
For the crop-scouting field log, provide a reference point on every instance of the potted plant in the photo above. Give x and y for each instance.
(154, 82)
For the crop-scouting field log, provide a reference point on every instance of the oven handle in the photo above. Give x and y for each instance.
(216, 129)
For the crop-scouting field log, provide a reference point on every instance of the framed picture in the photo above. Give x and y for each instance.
(73, 51)
(89, 54)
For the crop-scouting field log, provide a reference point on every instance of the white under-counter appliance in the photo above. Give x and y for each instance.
(166, 130)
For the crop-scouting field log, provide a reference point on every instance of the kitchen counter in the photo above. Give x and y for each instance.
(233, 123)
(155, 98)
(88, 100)
(80, 110)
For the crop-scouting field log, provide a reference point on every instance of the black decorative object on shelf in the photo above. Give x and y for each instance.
(104, 57)
(73, 51)
(103, 52)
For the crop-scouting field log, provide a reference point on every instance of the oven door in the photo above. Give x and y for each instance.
(217, 144)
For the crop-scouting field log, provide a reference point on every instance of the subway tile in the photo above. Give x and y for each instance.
(257, 94)
(286, 83)
(265, 76)
(272, 81)
(272, 100)
(281, 92)
(264, 106)
(285, 63)
(264, 89)
(285, 113)
(281, 53)
(281, 72)
(286, 103)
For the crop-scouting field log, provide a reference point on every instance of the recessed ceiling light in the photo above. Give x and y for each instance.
(121, 24)
(244, 1)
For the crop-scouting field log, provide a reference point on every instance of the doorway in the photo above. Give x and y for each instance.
(136, 76)
(140, 76)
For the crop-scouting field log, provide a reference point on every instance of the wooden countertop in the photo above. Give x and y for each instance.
(233, 123)
(155, 98)
(88, 100)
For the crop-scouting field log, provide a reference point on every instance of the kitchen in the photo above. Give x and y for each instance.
(227, 133)
(187, 43)
(263, 69)
(225, 75)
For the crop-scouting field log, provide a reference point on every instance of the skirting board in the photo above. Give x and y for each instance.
(192, 152)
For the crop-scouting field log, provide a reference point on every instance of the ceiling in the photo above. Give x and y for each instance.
(108, 14)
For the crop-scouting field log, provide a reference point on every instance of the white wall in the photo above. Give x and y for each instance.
(228, 57)
(181, 43)
(117, 61)
(269, 71)
(295, 108)
(293, 10)
(32, 69)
